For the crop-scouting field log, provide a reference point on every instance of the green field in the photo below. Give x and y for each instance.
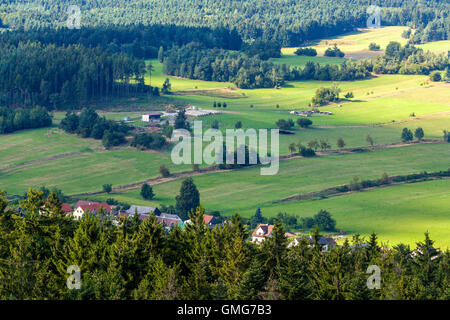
(382, 106)
(249, 190)
(356, 44)
(397, 214)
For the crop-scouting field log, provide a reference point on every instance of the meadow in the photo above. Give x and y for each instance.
(398, 214)
(249, 190)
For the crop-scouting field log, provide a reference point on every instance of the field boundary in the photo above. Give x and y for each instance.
(334, 191)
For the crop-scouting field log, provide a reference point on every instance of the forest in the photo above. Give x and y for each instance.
(140, 259)
(60, 77)
(290, 23)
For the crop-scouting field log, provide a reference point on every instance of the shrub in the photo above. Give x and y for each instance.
(311, 52)
(164, 171)
(304, 123)
(107, 187)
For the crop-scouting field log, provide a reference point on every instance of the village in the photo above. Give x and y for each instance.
(169, 221)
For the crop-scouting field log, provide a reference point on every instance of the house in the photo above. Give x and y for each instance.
(84, 206)
(126, 119)
(151, 117)
(325, 242)
(140, 210)
(262, 232)
(169, 220)
(210, 221)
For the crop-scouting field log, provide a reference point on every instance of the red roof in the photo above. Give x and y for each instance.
(66, 207)
(92, 206)
(207, 218)
(267, 229)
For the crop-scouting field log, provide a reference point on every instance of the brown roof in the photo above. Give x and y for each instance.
(168, 221)
(267, 229)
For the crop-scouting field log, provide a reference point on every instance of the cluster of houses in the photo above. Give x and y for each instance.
(264, 231)
(260, 234)
(154, 120)
(309, 113)
(166, 219)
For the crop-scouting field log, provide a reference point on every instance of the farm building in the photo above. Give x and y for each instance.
(151, 117)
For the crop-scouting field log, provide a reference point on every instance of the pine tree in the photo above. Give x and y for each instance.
(188, 199)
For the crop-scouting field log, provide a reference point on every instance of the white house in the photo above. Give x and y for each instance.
(262, 232)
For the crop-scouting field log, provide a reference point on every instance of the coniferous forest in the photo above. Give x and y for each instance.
(141, 260)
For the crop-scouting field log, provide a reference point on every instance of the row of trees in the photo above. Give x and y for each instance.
(88, 124)
(18, 119)
(141, 260)
(193, 62)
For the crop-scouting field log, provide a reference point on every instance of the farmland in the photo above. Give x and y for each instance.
(381, 107)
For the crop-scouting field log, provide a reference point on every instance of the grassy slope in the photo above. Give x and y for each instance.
(245, 190)
(400, 213)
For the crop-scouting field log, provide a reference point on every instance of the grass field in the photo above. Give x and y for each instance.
(243, 191)
(356, 44)
(397, 214)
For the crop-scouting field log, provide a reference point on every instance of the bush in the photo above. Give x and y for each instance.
(304, 123)
(307, 152)
(325, 95)
(285, 124)
(311, 52)
(107, 187)
(164, 171)
(374, 47)
(435, 76)
(349, 95)
(334, 52)
(407, 135)
(153, 141)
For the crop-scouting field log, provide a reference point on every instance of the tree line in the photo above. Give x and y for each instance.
(18, 119)
(290, 23)
(88, 124)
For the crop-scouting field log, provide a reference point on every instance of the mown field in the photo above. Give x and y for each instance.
(245, 190)
(398, 214)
